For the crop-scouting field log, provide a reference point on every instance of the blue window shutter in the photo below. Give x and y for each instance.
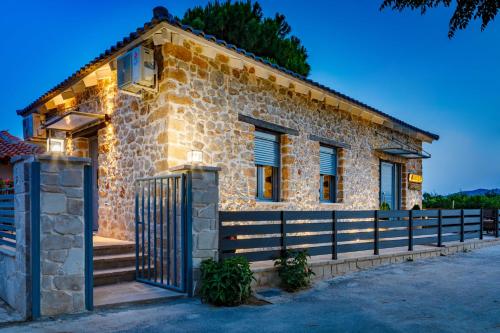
(267, 149)
(327, 161)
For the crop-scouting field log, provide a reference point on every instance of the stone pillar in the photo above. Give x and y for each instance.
(205, 214)
(62, 253)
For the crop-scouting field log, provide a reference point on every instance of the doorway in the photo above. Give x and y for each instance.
(390, 185)
(94, 157)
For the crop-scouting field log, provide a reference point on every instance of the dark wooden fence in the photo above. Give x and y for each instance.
(7, 226)
(264, 235)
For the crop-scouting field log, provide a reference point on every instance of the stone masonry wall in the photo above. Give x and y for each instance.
(197, 108)
(62, 253)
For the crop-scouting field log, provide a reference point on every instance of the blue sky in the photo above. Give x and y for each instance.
(401, 63)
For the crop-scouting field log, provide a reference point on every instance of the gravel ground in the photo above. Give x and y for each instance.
(459, 293)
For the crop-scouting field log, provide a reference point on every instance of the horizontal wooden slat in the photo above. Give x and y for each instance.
(354, 225)
(424, 231)
(308, 227)
(254, 229)
(309, 239)
(426, 213)
(355, 214)
(308, 215)
(225, 216)
(252, 243)
(429, 222)
(349, 237)
(391, 233)
(354, 247)
(393, 223)
(319, 250)
(255, 256)
(469, 227)
(393, 243)
(425, 240)
(471, 235)
(451, 212)
(472, 212)
(6, 212)
(393, 213)
(451, 238)
(451, 220)
(471, 220)
(4, 197)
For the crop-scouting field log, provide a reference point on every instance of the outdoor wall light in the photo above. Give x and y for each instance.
(195, 156)
(55, 145)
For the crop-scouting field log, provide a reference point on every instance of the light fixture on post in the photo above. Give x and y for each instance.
(55, 145)
(195, 156)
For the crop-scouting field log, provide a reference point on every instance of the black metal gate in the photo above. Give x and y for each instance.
(161, 238)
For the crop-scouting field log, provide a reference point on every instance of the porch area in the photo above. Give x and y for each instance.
(115, 276)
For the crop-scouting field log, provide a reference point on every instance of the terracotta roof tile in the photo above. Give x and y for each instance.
(11, 146)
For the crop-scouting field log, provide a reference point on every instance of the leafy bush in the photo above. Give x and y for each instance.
(461, 201)
(385, 206)
(226, 282)
(294, 271)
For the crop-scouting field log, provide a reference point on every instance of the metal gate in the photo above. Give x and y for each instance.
(161, 237)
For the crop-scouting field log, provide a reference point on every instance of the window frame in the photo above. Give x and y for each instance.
(333, 186)
(276, 175)
(397, 175)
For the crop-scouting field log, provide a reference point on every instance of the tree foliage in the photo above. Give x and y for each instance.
(465, 11)
(242, 23)
(461, 201)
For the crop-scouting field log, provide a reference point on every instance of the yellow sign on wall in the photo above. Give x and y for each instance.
(414, 178)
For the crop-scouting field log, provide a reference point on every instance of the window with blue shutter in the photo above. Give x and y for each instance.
(328, 173)
(267, 162)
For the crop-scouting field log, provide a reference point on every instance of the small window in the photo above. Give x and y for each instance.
(328, 174)
(267, 163)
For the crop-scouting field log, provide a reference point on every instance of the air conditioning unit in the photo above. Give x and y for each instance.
(136, 71)
(32, 127)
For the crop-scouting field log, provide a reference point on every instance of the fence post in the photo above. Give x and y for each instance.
(481, 224)
(334, 235)
(462, 226)
(35, 239)
(88, 226)
(440, 228)
(283, 232)
(376, 234)
(497, 212)
(410, 230)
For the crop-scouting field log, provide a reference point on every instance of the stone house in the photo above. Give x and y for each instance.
(281, 141)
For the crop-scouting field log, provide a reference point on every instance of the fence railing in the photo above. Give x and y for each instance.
(264, 235)
(7, 225)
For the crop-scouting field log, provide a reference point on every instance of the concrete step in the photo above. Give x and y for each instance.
(115, 275)
(114, 261)
(105, 250)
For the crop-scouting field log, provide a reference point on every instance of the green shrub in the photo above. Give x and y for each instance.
(294, 271)
(226, 282)
(385, 206)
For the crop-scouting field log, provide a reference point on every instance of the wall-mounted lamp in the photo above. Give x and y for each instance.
(195, 156)
(55, 145)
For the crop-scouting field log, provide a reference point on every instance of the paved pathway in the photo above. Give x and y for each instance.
(459, 293)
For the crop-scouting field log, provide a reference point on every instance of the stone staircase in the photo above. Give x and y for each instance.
(114, 261)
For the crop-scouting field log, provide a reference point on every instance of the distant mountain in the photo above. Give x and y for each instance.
(480, 191)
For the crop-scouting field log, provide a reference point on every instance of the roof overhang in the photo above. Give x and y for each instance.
(405, 153)
(73, 121)
(168, 28)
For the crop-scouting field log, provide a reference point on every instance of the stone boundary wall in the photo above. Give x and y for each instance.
(14, 269)
(328, 269)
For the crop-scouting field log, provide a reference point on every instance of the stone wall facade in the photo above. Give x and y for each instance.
(197, 108)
